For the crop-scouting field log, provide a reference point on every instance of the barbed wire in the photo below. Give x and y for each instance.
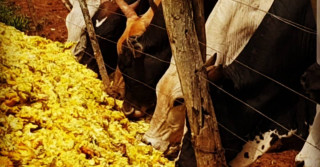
(284, 20)
(220, 88)
(181, 103)
(296, 25)
(224, 127)
(246, 66)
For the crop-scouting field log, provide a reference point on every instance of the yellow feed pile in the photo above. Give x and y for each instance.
(53, 111)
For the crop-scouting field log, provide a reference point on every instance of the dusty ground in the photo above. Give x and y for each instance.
(50, 14)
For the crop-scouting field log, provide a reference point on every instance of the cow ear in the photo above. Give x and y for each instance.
(211, 61)
(214, 73)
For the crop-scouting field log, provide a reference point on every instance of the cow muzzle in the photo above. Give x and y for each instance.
(170, 150)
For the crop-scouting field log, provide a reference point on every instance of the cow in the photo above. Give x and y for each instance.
(248, 56)
(76, 25)
(140, 71)
(137, 62)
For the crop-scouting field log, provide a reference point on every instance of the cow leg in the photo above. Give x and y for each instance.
(80, 47)
(309, 155)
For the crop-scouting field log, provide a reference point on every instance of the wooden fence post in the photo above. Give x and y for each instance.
(199, 20)
(186, 52)
(95, 44)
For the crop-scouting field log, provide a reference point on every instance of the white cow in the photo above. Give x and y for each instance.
(76, 25)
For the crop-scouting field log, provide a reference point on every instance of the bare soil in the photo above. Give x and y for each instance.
(51, 14)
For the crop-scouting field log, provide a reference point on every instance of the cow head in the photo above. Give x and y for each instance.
(141, 71)
(136, 25)
(109, 23)
(167, 124)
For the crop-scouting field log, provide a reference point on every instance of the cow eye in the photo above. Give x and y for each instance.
(178, 101)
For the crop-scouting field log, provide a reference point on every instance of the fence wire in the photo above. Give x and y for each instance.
(301, 27)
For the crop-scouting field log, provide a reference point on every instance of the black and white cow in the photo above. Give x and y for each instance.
(245, 35)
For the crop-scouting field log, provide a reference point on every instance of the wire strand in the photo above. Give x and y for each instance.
(286, 21)
(221, 89)
(181, 103)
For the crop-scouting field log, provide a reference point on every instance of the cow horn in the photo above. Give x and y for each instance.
(147, 17)
(134, 5)
(126, 9)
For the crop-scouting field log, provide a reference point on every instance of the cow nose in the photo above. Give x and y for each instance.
(131, 112)
(127, 109)
(146, 140)
(299, 163)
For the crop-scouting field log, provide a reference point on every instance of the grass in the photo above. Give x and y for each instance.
(10, 16)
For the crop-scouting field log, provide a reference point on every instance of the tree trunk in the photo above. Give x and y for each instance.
(95, 45)
(186, 52)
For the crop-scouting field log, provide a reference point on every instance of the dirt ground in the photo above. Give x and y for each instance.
(50, 14)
